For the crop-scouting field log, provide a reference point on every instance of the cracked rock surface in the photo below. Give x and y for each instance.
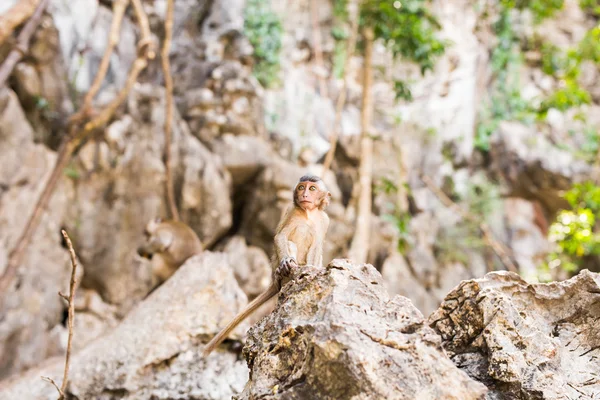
(525, 341)
(337, 333)
(155, 352)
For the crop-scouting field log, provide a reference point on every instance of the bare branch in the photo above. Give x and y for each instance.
(341, 100)
(169, 109)
(23, 8)
(119, 7)
(15, 16)
(71, 314)
(74, 138)
(498, 247)
(60, 392)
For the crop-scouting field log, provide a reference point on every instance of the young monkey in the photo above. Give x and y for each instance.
(298, 241)
(169, 243)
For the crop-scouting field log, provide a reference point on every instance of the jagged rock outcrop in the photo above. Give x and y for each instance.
(336, 334)
(525, 341)
(155, 352)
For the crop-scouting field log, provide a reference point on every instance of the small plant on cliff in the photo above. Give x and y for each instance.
(540, 9)
(505, 103)
(575, 231)
(263, 29)
(408, 29)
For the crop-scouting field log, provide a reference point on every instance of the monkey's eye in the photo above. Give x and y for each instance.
(301, 187)
(313, 188)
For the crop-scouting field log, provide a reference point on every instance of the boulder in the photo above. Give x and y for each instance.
(525, 341)
(155, 352)
(337, 333)
(250, 264)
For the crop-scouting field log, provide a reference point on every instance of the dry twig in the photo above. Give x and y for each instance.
(119, 7)
(169, 109)
(14, 15)
(60, 392)
(341, 100)
(76, 136)
(498, 247)
(71, 315)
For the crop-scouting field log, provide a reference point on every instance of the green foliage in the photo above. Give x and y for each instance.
(263, 29)
(571, 95)
(541, 9)
(575, 232)
(567, 68)
(402, 91)
(72, 172)
(400, 220)
(591, 7)
(505, 103)
(589, 47)
(407, 27)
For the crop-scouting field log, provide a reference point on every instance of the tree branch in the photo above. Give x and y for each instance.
(119, 7)
(60, 393)
(12, 16)
(498, 247)
(75, 137)
(71, 316)
(359, 248)
(11, 19)
(169, 109)
(353, 10)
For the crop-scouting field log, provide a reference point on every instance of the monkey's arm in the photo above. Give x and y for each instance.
(254, 304)
(285, 250)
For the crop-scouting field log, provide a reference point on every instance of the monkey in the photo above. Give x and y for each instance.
(298, 241)
(169, 244)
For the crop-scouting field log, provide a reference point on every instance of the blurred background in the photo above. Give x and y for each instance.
(472, 126)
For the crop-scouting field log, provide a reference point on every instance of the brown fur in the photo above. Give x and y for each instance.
(298, 241)
(170, 243)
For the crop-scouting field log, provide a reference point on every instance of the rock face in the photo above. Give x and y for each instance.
(525, 341)
(336, 333)
(156, 351)
(32, 307)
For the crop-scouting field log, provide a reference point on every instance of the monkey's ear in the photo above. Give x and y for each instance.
(325, 201)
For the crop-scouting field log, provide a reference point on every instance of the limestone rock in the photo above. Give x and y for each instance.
(251, 266)
(120, 187)
(155, 352)
(534, 169)
(31, 307)
(243, 156)
(525, 341)
(338, 334)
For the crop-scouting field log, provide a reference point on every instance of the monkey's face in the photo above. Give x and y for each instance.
(308, 195)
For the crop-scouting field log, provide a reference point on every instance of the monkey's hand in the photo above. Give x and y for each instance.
(285, 266)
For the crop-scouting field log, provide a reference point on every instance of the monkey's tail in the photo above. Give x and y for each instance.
(253, 305)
